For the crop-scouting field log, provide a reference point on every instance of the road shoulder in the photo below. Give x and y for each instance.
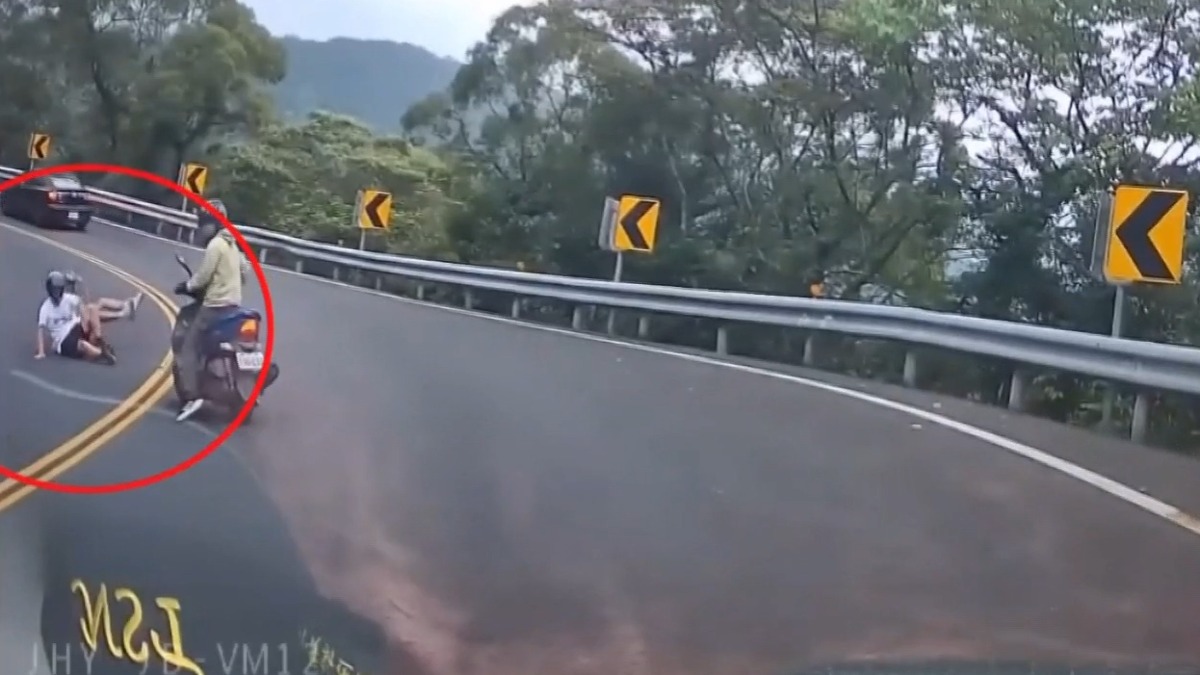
(1164, 475)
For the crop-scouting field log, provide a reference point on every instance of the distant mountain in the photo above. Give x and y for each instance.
(372, 80)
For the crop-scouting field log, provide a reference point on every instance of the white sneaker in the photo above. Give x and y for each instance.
(132, 304)
(190, 408)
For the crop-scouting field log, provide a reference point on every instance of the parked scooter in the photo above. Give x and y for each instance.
(232, 353)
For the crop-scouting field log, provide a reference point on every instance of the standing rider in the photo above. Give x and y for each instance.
(220, 277)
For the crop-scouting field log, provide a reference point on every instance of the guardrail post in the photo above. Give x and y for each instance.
(1141, 417)
(643, 327)
(1016, 390)
(723, 340)
(910, 368)
(567, 292)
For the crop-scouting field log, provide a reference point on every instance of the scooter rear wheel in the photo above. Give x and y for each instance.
(177, 384)
(240, 402)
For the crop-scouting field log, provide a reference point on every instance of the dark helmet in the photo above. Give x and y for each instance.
(207, 226)
(56, 285)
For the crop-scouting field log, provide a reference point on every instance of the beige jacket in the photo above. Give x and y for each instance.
(221, 273)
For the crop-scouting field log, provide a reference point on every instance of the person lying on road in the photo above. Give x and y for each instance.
(106, 309)
(73, 333)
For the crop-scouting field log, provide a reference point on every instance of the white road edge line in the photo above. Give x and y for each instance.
(203, 430)
(1105, 484)
(120, 274)
(100, 400)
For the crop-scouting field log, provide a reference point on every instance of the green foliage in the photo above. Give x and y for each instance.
(302, 179)
(939, 154)
(142, 84)
(154, 84)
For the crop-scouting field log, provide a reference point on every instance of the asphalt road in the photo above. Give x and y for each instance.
(209, 538)
(509, 500)
(26, 430)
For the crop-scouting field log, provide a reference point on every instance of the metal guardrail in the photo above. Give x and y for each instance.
(1146, 366)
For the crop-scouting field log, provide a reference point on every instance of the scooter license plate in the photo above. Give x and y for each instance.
(250, 361)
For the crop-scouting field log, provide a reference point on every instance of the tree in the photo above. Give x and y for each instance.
(146, 84)
(303, 180)
(949, 155)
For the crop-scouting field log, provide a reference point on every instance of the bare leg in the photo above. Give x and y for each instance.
(106, 314)
(94, 346)
(92, 322)
(112, 304)
(111, 309)
(90, 351)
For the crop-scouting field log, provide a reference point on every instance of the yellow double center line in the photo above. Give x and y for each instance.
(116, 421)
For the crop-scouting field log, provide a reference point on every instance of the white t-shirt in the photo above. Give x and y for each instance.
(60, 319)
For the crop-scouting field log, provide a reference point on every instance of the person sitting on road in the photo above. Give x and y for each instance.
(72, 334)
(220, 277)
(105, 309)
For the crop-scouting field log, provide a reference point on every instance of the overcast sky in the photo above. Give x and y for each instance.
(444, 27)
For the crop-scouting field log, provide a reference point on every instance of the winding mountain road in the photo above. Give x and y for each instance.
(505, 499)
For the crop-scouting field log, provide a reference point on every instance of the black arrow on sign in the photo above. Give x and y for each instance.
(193, 179)
(39, 146)
(373, 207)
(1134, 234)
(629, 223)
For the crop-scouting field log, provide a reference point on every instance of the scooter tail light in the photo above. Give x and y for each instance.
(248, 332)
